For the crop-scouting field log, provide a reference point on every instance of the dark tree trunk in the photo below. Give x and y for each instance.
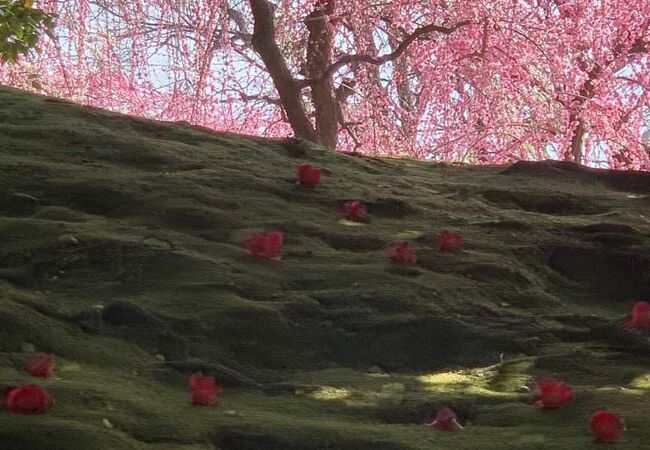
(288, 88)
(319, 56)
(319, 68)
(575, 153)
(587, 92)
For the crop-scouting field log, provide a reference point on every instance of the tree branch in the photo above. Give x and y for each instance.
(588, 91)
(264, 98)
(401, 48)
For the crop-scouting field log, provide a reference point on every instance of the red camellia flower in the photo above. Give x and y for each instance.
(266, 245)
(639, 317)
(449, 241)
(606, 426)
(551, 393)
(308, 176)
(355, 211)
(402, 253)
(40, 365)
(445, 420)
(203, 389)
(27, 399)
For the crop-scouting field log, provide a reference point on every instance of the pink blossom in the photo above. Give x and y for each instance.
(402, 253)
(552, 394)
(264, 245)
(355, 211)
(639, 317)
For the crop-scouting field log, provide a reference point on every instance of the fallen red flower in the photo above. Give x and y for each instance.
(27, 399)
(551, 393)
(606, 426)
(445, 420)
(639, 317)
(449, 241)
(266, 245)
(203, 389)
(355, 211)
(402, 253)
(308, 175)
(40, 365)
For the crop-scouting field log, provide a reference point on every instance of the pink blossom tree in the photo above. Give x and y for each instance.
(479, 81)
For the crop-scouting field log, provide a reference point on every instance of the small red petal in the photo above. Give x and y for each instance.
(605, 426)
(355, 211)
(27, 399)
(203, 389)
(308, 176)
(402, 253)
(267, 245)
(449, 241)
(641, 315)
(40, 365)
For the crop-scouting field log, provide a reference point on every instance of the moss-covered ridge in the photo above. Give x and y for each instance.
(119, 255)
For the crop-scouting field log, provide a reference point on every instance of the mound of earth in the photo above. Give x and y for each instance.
(120, 256)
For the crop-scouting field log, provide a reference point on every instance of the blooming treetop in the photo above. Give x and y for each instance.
(480, 81)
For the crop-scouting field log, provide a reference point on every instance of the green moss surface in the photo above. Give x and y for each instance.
(119, 254)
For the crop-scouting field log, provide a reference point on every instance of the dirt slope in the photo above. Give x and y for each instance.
(119, 255)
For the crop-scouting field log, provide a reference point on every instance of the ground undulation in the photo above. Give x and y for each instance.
(119, 255)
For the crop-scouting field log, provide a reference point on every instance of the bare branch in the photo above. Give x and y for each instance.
(264, 98)
(401, 48)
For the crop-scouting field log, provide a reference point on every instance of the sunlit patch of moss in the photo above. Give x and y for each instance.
(378, 375)
(350, 223)
(447, 378)
(498, 381)
(641, 382)
(393, 388)
(631, 392)
(330, 393)
(409, 234)
(467, 391)
(68, 367)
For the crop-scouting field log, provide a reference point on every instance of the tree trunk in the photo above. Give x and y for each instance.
(288, 88)
(575, 154)
(319, 56)
(588, 91)
(406, 96)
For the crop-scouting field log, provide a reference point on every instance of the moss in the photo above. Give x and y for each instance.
(119, 255)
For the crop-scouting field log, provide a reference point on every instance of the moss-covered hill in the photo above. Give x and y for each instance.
(119, 255)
